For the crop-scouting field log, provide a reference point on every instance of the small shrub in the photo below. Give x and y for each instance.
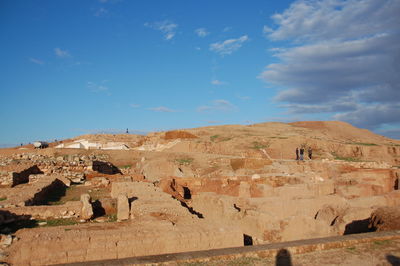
(1, 199)
(363, 144)
(58, 222)
(184, 161)
(218, 138)
(111, 217)
(214, 138)
(128, 166)
(258, 146)
(352, 250)
(347, 159)
(382, 242)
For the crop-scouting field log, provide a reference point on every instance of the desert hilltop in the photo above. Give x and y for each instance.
(101, 197)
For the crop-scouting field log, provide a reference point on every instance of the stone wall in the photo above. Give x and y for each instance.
(13, 178)
(67, 210)
(31, 194)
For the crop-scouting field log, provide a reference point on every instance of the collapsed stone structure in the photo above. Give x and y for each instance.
(185, 191)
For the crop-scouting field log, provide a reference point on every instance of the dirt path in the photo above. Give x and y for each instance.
(385, 252)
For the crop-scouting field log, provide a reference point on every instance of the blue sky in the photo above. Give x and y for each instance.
(76, 67)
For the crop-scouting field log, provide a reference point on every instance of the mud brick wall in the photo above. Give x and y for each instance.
(59, 245)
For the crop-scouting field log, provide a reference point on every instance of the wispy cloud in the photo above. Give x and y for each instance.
(36, 61)
(344, 60)
(162, 109)
(135, 105)
(97, 87)
(229, 46)
(61, 53)
(201, 32)
(218, 105)
(167, 27)
(110, 1)
(243, 98)
(226, 29)
(218, 82)
(101, 12)
(213, 122)
(267, 30)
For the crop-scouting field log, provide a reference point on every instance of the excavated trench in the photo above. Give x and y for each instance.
(256, 213)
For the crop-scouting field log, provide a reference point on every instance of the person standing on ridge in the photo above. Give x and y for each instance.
(297, 154)
(301, 154)
(309, 153)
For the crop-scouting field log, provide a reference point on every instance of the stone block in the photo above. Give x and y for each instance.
(294, 191)
(87, 209)
(244, 190)
(122, 208)
(266, 190)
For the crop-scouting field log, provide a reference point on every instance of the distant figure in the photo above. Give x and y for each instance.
(301, 154)
(283, 258)
(310, 153)
(127, 132)
(297, 154)
(21, 144)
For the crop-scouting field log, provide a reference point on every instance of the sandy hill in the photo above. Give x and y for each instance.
(328, 139)
(342, 130)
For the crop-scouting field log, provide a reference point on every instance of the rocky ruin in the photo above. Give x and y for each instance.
(195, 189)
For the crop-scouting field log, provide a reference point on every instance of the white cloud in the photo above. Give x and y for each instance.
(335, 19)
(229, 46)
(36, 61)
(162, 109)
(218, 82)
(61, 53)
(167, 27)
(345, 60)
(218, 105)
(201, 32)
